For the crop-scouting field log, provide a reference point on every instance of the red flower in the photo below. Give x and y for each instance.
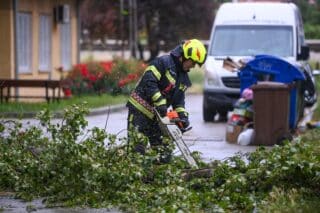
(83, 69)
(92, 77)
(122, 83)
(67, 92)
(129, 78)
(132, 76)
(107, 66)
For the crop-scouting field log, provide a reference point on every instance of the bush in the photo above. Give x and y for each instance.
(114, 77)
(66, 163)
(312, 31)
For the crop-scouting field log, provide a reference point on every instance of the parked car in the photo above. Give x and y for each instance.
(246, 29)
(310, 89)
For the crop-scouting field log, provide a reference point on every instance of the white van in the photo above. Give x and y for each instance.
(246, 29)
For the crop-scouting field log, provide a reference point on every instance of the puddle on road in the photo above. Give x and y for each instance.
(206, 139)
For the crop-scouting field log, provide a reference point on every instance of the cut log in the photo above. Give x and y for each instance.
(197, 173)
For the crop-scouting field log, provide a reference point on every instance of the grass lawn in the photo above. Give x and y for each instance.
(93, 101)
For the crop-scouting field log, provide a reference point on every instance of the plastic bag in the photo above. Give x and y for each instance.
(245, 137)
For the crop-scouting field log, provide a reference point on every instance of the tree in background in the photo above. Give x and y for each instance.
(167, 21)
(310, 12)
(172, 21)
(100, 18)
(163, 24)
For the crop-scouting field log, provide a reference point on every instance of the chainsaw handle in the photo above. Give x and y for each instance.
(183, 130)
(178, 122)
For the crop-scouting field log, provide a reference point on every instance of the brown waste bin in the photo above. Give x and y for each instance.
(271, 102)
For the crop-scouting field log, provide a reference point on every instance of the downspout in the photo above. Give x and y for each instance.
(78, 29)
(15, 40)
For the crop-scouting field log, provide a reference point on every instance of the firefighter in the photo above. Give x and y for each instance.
(162, 85)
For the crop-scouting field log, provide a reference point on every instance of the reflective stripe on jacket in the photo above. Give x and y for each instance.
(163, 83)
(141, 105)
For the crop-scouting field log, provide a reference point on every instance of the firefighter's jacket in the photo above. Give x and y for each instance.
(163, 83)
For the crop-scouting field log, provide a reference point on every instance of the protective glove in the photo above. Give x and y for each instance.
(162, 109)
(185, 122)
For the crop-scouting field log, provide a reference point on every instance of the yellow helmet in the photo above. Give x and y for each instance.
(195, 50)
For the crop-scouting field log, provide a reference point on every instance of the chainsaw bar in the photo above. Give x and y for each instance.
(172, 130)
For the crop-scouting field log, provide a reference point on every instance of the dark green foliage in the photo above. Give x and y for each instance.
(65, 163)
(311, 17)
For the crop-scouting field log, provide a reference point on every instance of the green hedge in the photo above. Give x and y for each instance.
(113, 77)
(312, 31)
(67, 164)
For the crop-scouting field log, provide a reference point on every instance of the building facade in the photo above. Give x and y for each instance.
(38, 37)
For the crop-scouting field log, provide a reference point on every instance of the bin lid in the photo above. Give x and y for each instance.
(269, 85)
(281, 70)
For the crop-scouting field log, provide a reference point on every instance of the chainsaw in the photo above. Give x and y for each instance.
(172, 127)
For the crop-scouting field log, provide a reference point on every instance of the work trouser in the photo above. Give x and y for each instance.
(150, 128)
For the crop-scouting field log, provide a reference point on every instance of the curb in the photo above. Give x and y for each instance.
(59, 114)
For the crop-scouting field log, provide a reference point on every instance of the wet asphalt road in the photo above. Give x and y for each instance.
(207, 138)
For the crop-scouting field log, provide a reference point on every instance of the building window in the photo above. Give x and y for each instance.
(24, 42)
(45, 43)
(65, 46)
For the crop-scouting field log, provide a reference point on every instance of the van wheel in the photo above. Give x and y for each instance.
(208, 114)
(223, 115)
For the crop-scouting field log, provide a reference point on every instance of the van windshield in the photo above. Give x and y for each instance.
(252, 40)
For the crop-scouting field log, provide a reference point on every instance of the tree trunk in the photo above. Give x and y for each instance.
(152, 24)
(198, 173)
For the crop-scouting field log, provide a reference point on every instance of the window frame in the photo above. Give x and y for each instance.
(24, 42)
(46, 34)
(66, 46)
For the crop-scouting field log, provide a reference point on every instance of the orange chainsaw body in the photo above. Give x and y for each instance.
(174, 117)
